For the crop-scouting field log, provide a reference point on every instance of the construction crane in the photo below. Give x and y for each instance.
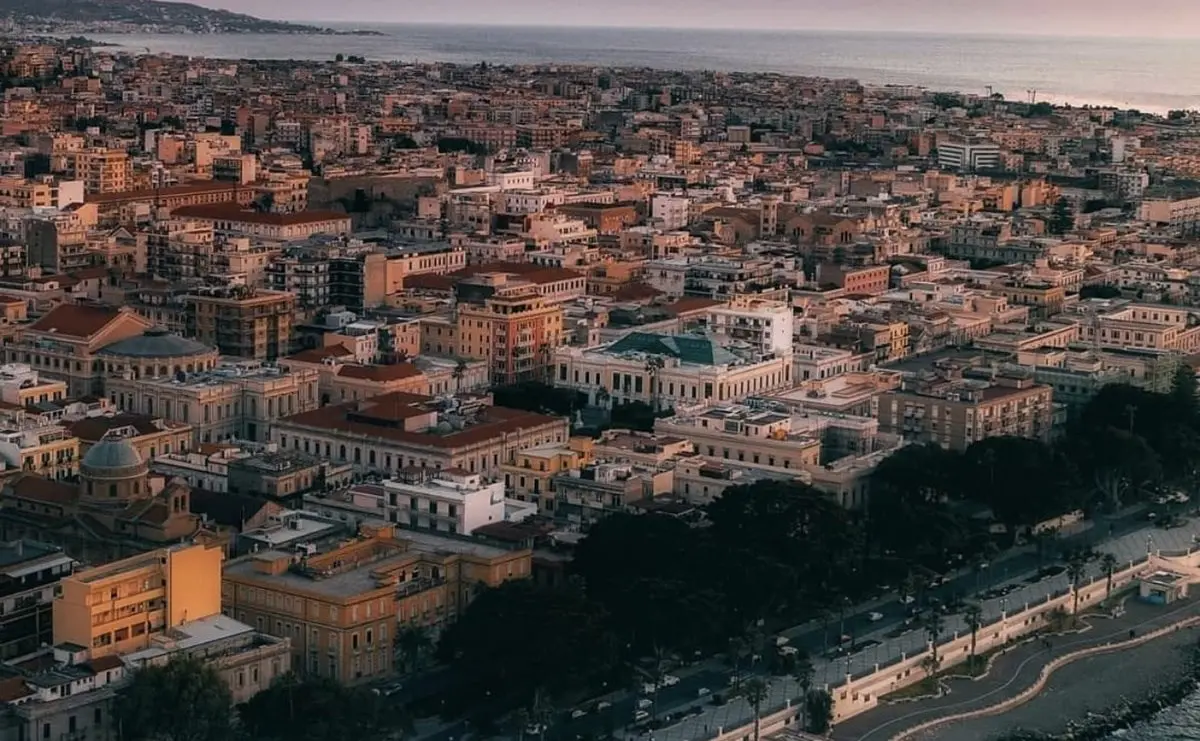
(989, 89)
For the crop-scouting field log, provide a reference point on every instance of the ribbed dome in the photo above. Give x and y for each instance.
(113, 456)
(155, 342)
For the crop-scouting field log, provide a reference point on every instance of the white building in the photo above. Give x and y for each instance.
(767, 325)
(969, 155)
(670, 212)
(209, 471)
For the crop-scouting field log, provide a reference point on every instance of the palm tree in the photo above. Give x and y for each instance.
(1076, 568)
(973, 614)
(756, 691)
(737, 649)
(933, 629)
(412, 643)
(602, 397)
(1109, 562)
(654, 364)
(803, 672)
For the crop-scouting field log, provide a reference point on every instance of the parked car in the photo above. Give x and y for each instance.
(702, 692)
(640, 716)
(781, 640)
(789, 651)
(669, 680)
(578, 713)
(603, 705)
(533, 729)
(648, 688)
(644, 703)
(875, 617)
(907, 599)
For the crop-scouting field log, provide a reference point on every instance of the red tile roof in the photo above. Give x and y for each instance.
(377, 418)
(381, 373)
(14, 688)
(36, 488)
(75, 320)
(319, 354)
(234, 212)
(150, 194)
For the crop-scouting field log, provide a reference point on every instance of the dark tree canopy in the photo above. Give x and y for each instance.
(182, 700)
(318, 709)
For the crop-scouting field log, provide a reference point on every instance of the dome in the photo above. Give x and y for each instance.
(156, 342)
(112, 457)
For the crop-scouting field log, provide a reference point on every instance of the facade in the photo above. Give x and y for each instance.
(243, 323)
(956, 413)
(669, 370)
(968, 155)
(515, 330)
(29, 573)
(398, 430)
(343, 608)
(119, 607)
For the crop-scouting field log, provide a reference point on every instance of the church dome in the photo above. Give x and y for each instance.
(112, 458)
(156, 342)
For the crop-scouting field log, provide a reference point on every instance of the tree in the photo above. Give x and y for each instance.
(973, 615)
(318, 709)
(1019, 479)
(460, 370)
(929, 665)
(654, 364)
(576, 652)
(1076, 568)
(818, 706)
(182, 700)
(910, 493)
(339, 57)
(933, 630)
(412, 646)
(1183, 391)
(756, 692)
(1062, 218)
(1109, 562)
(803, 672)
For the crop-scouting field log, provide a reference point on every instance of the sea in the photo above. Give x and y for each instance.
(1152, 75)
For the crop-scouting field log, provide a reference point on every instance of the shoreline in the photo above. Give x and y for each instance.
(1093, 697)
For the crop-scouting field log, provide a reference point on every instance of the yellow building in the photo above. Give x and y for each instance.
(530, 477)
(101, 170)
(342, 609)
(118, 607)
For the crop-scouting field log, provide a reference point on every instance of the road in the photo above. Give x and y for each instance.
(1125, 537)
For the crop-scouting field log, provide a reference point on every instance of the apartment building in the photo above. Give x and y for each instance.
(242, 322)
(21, 386)
(395, 431)
(968, 156)
(766, 325)
(343, 608)
(177, 249)
(956, 412)
(29, 574)
(514, 329)
(1181, 213)
(121, 606)
(229, 218)
(57, 240)
(101, 170)
(530, 477)
(870, 280)
(745, 435)
(1140, 327)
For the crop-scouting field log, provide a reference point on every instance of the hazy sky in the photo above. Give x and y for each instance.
(1173, 18)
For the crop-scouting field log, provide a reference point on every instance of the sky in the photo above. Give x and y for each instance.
(1144, 18)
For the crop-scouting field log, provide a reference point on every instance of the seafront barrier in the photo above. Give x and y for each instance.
(858, 694)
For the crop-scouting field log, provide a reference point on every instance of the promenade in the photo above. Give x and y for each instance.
(1010, 674)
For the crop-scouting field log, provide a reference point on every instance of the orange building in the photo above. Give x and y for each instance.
(515, 329)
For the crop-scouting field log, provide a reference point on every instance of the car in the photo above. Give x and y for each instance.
(644, 703)
(702, 692)
(781, 640)
(669, 680)
(907, 599)
(789, 651)
(648, 688)
(578, 713)
(533, 729)
(875, 617)
(603, 705)
(640, 716)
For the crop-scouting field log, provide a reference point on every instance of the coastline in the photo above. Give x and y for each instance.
(1102, 694)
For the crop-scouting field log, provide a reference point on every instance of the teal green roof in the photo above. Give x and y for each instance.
(690, 349)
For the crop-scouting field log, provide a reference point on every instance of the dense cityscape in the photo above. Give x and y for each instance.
(375, 400)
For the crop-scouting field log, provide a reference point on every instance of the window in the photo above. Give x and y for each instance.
(354, 641)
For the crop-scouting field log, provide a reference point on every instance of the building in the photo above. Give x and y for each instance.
(65, 343)
(956, 412)
(768, 438)
(514, 329)
(29, 576)
(119, 607)
(285, 475)
(101, 170)
(226, 218)
(344, 607)
(591, 493)
(398, 430)
(670, 370)
(766, 325)
(149, 436)
(242, 322)
(21, 386)
(968, 155)
(231, 400)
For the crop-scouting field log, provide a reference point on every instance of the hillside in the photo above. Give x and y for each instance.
(146, 16)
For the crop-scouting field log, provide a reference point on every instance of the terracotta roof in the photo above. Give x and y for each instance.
(104, 663)
(234, 212)
(149, 194)
(381, 373)
(14, 688)
(39, 489)
(378, 418)
(93, 428)
(537, 274)
(75, 320)
(318, 354)
(690, 304)
(634, 291)
(6, 299)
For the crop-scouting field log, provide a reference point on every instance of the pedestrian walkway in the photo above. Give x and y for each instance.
(1010, 674)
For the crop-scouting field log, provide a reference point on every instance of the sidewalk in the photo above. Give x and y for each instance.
(1010, 673)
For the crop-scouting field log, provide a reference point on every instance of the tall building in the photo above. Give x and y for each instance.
(515, 329)
(101, 170)
(968, 155)
(29, 573)
(242, 322)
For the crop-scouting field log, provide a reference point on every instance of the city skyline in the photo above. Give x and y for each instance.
(1156, 18)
